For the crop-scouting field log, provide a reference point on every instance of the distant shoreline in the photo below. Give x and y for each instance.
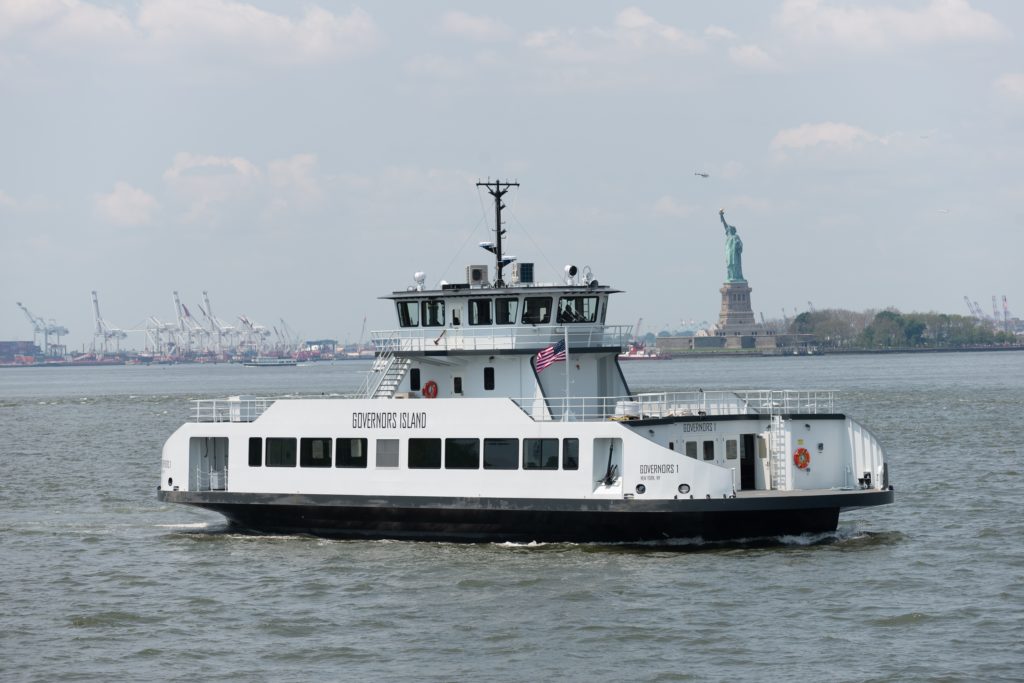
(838, 352)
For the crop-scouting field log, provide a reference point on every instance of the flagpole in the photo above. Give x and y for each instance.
(565, 413)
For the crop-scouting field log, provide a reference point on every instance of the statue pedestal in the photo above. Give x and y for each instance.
(736, 321)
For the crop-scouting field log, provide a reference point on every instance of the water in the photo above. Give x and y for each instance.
(99, 581)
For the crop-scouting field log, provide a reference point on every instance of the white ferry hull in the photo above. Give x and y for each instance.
(746, 516)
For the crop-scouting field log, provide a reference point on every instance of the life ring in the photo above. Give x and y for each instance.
(430, 389)
(802, 458)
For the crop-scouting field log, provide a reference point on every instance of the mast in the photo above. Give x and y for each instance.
(497, 189)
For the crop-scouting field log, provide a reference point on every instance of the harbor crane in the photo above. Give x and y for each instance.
(40, 326)
(104, 331)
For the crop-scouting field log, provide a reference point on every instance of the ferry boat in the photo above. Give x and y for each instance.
(497, 411)
(270, 362)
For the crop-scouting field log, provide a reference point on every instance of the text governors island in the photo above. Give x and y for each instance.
(497, 411)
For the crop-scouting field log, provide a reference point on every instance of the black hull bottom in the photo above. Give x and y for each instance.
(474, 520)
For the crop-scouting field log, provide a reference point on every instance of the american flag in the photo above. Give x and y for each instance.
(552, 354)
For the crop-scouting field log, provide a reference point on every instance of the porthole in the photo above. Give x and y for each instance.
(640, 488)
(684, 488)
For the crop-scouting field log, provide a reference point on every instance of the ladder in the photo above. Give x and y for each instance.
(384, 376)
(779, 460)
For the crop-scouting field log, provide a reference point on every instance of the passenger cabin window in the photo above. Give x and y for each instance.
(489, 379)
(505, 310)
(433, 313)
(570, 454)
(387, 452)
(691, 449)
(501, 454)
(255, 451)
(540, 454)
(537, 310)
(424, 454)
(577, 309)
(462, 454)
(457, 385)
(709, 450)
(480, 312)
(281, 452)
(408, 313)
(414, 379)
(350, 453)
(315, 453)
(730, 449)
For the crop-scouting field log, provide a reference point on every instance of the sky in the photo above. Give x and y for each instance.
(300, 160)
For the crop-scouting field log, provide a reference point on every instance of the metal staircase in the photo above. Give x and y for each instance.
(385, 376)
(779, 455)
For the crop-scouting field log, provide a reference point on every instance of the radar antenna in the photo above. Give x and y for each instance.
(497, 189)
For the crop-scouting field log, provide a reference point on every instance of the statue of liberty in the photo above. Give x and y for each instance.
(733, 252)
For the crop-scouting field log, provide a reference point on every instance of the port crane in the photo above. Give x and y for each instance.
(104, 332)
(40, 326)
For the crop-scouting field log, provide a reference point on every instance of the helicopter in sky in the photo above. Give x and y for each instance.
(702, 174)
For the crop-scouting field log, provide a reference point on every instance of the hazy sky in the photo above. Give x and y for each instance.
(299, 160)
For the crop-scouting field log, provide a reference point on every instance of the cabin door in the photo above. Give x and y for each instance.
(748, 458)
(208, 463)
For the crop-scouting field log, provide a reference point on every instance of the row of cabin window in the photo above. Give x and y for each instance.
(690, 449)
(536, 311)
(458, 454)
(415, 381)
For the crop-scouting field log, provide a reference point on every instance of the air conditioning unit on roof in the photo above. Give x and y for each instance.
(477, 276)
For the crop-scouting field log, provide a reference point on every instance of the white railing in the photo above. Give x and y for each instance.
(676, 404)
(495, 338)
(648, 406)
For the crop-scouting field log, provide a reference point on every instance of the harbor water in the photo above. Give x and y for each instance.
(102, 582)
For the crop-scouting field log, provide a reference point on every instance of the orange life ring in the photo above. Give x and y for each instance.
(802, 458)
(430, 389)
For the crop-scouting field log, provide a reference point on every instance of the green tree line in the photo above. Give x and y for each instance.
(839, 329)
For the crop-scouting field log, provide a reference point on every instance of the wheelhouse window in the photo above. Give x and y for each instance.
(255, 451)
(424, 454)
(537, 310)
(350, 453)
(387, 452)
(501, 454)
(315, 453)
(505, 310)
(570, 454)
(577, 309)
(433, 313)
(281, 452)
(540, 454)
(480, 312)
(462, 454)
(408, 313)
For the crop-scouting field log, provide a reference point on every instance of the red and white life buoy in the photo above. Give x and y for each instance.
(430, 389)
(802, 458)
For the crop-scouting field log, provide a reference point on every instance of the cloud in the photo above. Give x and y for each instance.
(481, 29)
(58, 22)
(126, 205)
(634, 33)
(244, 29)
(719, 33)
(295, 180)
(435, 66)
(204, 181)
(668, 206)
(828, 134)
(883, 27)
(189, 28)
(752, 57)
(1010, 86)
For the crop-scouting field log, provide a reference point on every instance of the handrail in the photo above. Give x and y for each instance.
(492, 338)
(754, 402)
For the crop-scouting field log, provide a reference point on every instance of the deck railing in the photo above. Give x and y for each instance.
(575, 408)
(494, 338)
